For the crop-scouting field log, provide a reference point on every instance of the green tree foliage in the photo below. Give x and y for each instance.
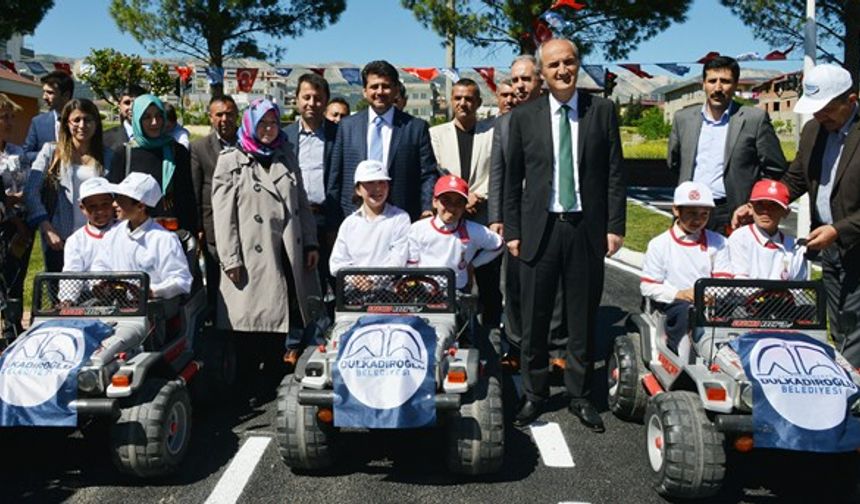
(652, 126)
(632, 113)
(614, 27)
(781, 23)
(110, 71)
(22, 16)
(214, 30)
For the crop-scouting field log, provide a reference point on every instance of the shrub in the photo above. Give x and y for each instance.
(652, 126)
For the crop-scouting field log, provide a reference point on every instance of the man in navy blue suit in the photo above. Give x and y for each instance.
(57, 89)
(397, 139)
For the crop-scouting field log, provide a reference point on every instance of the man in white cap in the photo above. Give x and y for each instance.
(679, 256)
(96, 203)
(827, 166)
(141, 244)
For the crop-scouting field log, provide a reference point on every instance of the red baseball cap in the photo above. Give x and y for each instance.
(451, 183)
(770, 190)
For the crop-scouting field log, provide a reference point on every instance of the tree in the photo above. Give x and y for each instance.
(652, 126)
(781, 23)
(22, 16)
(615, 27)
(110, 71)
(214, 30)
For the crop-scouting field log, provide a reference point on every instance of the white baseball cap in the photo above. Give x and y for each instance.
(93, 186)
(821, 85)
(370, 170)
(140, 187)
(693, 194)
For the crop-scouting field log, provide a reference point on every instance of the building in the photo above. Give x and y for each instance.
(777, 97)
(25, 93)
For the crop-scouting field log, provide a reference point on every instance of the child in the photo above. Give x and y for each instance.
(141, 244)
(678, 257)
(449, 240)
(761, 250)
(375, 235)
(96, 203)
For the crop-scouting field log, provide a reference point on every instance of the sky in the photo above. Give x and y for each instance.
(72, 27)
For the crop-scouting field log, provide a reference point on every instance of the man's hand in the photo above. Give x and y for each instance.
(613, 244)
(52, 237)
(426, 213)
(312, 257)
(514, 248)
(685, 295)
(821, 237)
(472, 204)
(742, 216)
(234, 274)
(498, 228)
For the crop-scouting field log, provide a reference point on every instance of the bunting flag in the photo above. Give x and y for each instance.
(283, 71)
(595, 72)
(748, 56)
(318, 70)
(184, 72)
(36, 68)
(214, 75)
(84, 69)
(675, 68)
(708, 57)
(245, 78)
(489, 76)
(540, 31)
(425, 74)
(573, 4)
(63, 67)
(636, 69)
(9, 64)
(351, 75)
(778, 55)
(452, 73)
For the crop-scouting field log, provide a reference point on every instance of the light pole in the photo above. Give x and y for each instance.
(450, 62)
(809, 46)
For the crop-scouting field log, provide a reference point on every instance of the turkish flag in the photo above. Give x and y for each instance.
(63, 67)
(425, 74)
(489, 76)
(541, 31)
(184, 72)
(9, 64)
(708, 57)
(778, 55)
(318, 70)
(573, 4)
(636, 69)
(245, 78)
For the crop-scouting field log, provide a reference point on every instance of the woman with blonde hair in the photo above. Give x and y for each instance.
(56, 176)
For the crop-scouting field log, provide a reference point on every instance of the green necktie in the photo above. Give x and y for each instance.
(566, 185)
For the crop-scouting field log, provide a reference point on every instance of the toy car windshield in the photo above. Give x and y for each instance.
(90, 294)
(396, 290)
(760, 304)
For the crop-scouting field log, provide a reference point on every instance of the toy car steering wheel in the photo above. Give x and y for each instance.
(116, 290)
(408, 286)
(772, 298)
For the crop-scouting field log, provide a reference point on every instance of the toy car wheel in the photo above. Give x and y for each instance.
(151, 436)
(627, 397)
(304, 441)
(476, 436)
(218, 375)
(685, 450)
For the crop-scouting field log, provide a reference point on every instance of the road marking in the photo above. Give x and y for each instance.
(622, 266)
(551, 444)
(233, 481)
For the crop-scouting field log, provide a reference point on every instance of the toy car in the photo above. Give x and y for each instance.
(464, 385)
(134, 383)
(699, 400)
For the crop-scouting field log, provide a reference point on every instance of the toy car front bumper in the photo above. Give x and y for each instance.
(97, 406)
(325, 398)
(734, 424)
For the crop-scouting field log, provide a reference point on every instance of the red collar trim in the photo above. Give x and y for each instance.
(461, 231)
(92, 234)
(755, 231)
(702, 242)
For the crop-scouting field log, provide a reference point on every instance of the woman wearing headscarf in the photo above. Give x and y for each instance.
(53, 185)
(153, 151)
(266, 239)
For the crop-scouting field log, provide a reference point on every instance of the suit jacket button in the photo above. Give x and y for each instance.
(258, 218)
(258, 248)
(299, 240)
(257, 187)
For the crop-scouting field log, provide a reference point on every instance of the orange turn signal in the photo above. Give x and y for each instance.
(168, 223)
(715, 393)
(325, 415)
(457, 376)
(120, 380)
(744, 444)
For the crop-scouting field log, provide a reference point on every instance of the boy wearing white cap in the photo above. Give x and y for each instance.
(141, 244)
(96, 203)
(447, 239)
(760, 249)
(679, 256)
(375, 234)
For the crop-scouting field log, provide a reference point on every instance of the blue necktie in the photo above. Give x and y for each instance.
(374, 150)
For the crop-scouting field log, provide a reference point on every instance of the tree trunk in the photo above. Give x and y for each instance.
(216, 89)
(852, 39)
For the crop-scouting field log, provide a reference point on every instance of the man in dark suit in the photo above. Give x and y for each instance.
(119, 135)
(223, 115)
(57, 89)
(311, 139)
(564, 210)
(827, 167)
(381, 132)
(722, 144)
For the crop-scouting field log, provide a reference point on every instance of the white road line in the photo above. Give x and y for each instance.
(551, 444)
(624, 267)
(233, 481)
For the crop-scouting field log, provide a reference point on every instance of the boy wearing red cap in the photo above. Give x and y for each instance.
(447, 239)
(761, 250)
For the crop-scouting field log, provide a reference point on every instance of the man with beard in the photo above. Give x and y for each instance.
(724, 145)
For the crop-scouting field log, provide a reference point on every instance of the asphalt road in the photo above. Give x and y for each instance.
(402, 466)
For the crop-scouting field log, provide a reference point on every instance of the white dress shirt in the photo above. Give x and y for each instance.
(387, 129)
(572, 117)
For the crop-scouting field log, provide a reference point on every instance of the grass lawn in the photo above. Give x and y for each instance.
(657, 149)
(642, 225)
(37, 265)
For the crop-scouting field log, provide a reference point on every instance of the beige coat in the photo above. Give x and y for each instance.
(443, 138)
(258, 216)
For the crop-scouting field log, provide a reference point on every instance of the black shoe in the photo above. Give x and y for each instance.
(587, 414)
(528, 413)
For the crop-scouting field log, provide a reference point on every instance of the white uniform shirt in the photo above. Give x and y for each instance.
(754, 254)
(376, 243)
(432, 243)
(674, 261)
(149, 248)
(80, 249)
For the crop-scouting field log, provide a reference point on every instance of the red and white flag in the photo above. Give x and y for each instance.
(425, 74)
(489, 76)
(245, 78)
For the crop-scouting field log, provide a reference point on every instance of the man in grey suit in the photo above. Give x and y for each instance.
(57, 89)
(724, 145)
(223, 114)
